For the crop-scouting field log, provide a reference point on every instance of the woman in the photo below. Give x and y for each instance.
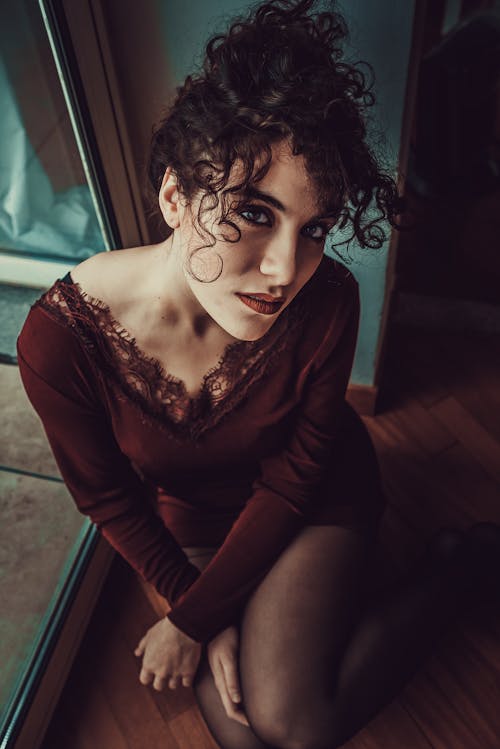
(193, 393)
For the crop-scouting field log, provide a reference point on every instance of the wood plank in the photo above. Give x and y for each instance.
(62, 731)
(88, 710)
(451, 480)
(396, 432)
(463, 481)
(481, 633)
(409, 477)
(393, 728)
(132, 702)
(190, 730)
(473, 436)
(169, 702)
(178, 707)
(83, 704)
(470, 367)
(479, 403)
(477, 354)
(427, 700)
(420, 424)
(477, 681)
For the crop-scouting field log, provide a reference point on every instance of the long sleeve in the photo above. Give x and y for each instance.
(284, 491)
(57, 377)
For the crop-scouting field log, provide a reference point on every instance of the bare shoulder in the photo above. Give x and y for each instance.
(109, 275)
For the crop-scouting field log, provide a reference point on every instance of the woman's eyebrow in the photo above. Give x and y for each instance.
(252, 192)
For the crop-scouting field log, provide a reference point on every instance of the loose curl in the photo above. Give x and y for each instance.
(276, 74)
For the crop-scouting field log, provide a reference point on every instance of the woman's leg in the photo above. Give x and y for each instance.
(320, 655)
(345, 556)
(317, 660)
(316, 665)
(291, 584)
(311, 595)
(226, 731)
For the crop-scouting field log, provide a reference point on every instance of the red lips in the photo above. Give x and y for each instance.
(265, 297)
(261, 304)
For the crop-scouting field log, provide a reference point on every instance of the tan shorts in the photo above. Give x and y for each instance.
(200, 556)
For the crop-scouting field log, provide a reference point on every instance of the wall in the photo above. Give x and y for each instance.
(381, 34)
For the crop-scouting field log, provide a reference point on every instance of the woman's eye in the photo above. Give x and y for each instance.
(256, 215)
(253, 212)
(321, 230)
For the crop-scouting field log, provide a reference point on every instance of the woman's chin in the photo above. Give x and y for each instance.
(248, 332)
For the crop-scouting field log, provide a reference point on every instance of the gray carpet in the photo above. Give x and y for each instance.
(15, 303)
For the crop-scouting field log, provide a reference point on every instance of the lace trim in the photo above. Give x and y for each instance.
(142, 379)
(161, 397)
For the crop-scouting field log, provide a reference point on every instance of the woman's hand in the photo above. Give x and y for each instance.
(168, 655)
(222, 653)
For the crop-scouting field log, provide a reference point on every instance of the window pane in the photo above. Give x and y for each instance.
(47, 218)
(46, 208)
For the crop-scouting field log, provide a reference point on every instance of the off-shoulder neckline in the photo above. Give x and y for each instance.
(144, 380)
(233, 346)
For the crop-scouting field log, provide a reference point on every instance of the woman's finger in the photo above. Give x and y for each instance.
(231, 677)
(233, 710)
(159, 683)
(145, 677)
(140, 647)
(217, 673)
(173, 682)
(187, 681)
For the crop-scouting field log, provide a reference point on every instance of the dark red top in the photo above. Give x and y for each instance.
(238, 466)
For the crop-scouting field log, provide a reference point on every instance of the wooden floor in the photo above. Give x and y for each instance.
(438, 441)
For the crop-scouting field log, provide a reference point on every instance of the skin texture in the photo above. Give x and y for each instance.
(168, 655)
(222, 654)
(277, 254)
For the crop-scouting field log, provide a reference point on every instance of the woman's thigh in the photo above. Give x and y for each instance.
(296, 625)
(295, 628)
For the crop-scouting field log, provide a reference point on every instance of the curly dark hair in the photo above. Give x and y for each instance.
(277, 74)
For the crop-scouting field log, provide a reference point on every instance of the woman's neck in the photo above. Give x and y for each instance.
(177, 304)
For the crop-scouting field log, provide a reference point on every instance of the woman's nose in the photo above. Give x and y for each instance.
(279, 262)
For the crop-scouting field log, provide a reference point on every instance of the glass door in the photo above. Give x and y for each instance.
(61, 147)
(49, 210)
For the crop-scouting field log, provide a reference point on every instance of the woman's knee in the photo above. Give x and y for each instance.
(297, 727)
(274, 722)
(311, 724)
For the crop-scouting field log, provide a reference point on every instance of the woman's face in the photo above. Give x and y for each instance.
(281, 246)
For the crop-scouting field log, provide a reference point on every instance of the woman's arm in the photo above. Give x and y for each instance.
(58, 379)
(284, 491)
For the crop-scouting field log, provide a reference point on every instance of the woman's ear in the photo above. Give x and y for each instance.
(168, 199)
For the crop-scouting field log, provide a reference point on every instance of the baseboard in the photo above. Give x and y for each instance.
(363, 398)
